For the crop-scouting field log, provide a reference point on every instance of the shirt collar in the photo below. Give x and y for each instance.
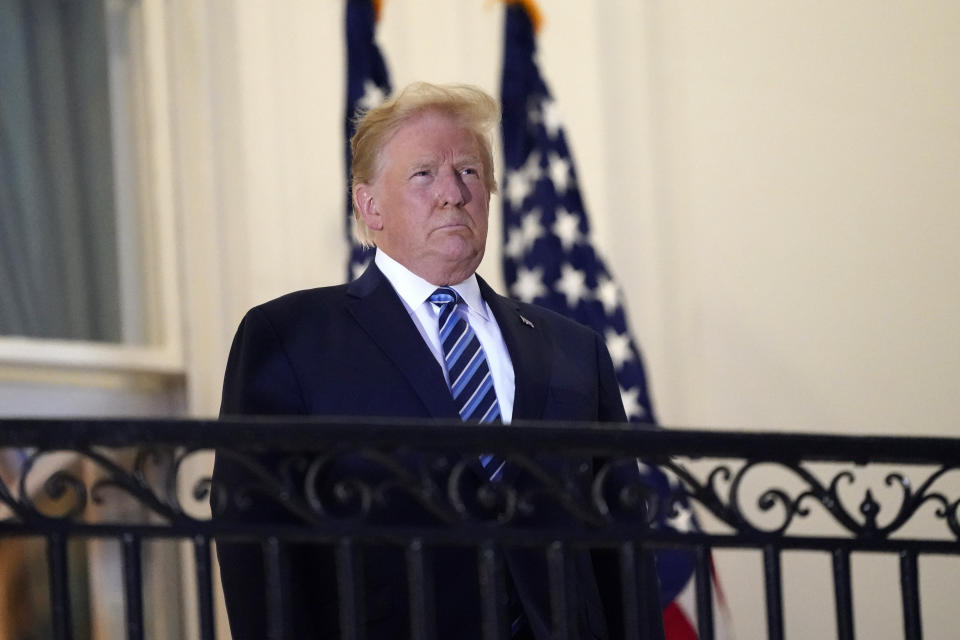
(414, 290)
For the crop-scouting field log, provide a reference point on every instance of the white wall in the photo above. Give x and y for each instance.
(774, 184)
(806, 164)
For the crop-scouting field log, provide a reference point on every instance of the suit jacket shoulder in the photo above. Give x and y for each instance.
(342, 350)
(261, 373)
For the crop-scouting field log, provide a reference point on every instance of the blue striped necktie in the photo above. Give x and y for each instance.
(472, 388)
(471, 383)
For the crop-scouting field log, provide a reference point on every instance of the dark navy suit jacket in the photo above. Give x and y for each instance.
(352, 350)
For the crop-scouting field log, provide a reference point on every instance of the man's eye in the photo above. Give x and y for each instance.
(469, 171)
(421, 173)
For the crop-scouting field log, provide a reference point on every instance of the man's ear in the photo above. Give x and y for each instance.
(366, 204)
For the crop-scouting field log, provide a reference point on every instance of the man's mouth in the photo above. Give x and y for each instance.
(452, 225)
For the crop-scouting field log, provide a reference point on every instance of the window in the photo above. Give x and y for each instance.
(86, 256)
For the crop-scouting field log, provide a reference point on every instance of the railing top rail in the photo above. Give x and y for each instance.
(626, 439)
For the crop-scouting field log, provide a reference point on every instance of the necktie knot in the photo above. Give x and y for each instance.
(444, 296)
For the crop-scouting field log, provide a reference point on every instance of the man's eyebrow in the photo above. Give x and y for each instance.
(422, 163)
(468, 159)
(428, 162)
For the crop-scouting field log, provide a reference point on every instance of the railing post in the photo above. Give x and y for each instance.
(648, 567)
(420, 578)
(278, 598)
(774, 593)
(59, 589)
(631, 594)
(133, 585)
(493, 592)
(843, 593)
(563, 613)
(909, 588)
(350, 590)
(201, 556)
(704, 582)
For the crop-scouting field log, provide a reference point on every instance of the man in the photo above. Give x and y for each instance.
(419, 335)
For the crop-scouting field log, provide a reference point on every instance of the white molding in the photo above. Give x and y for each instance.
(99, 356)
(159, 239)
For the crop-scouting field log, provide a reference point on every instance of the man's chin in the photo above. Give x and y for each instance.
(459, 249)
(454, 263)
(456, 242)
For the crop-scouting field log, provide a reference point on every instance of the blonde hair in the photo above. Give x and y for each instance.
(472, 107)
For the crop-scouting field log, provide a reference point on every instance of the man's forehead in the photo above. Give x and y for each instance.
(413, 137)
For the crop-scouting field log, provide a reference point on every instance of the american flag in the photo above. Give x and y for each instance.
(368, 84)
(548, 259)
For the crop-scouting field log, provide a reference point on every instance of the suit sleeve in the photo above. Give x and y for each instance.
(611, 404)
(259, 380)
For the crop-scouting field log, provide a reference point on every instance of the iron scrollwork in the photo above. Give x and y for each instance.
(366, 484)
(355, 483)
(722, 494)
(65, 485)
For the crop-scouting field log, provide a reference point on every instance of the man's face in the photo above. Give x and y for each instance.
(428, 202)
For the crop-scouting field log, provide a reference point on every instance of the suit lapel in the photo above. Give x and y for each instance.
(529, 350)
(378, 309)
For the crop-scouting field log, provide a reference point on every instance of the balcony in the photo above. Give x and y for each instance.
(633, 494)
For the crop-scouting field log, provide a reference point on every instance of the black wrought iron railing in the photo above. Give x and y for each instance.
(628, 491)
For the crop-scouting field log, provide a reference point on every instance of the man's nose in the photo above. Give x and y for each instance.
(451, 191)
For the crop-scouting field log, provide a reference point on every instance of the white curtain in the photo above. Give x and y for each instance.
(58, 258)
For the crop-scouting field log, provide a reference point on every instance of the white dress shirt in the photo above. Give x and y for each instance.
(414, 292)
